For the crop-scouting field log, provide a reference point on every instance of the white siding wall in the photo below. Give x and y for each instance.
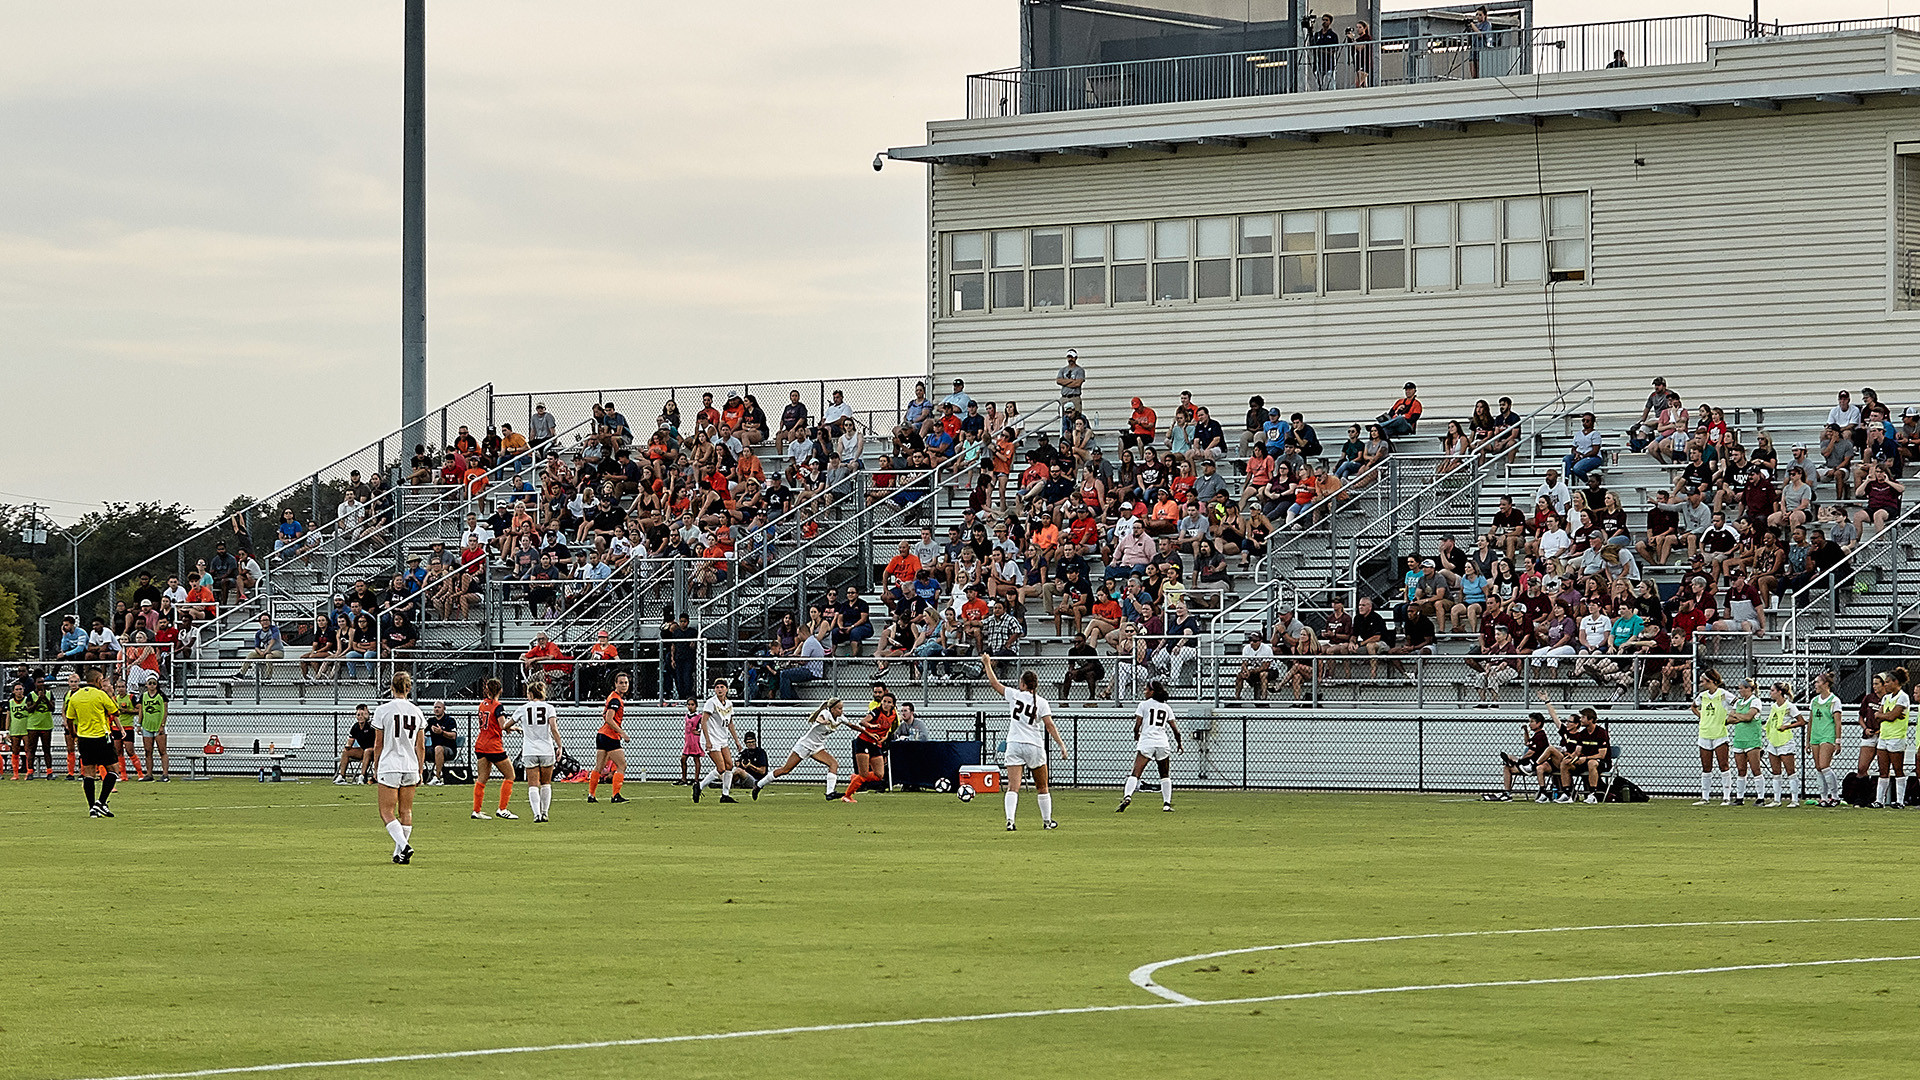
(1747, 261)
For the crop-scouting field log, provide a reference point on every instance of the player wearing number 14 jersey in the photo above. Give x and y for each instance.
(1153, 725)
(1029, 726)
(399, 735)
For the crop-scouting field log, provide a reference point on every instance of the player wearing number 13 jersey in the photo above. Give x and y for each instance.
(399, 735)
(1153, 725)
(1029, 727)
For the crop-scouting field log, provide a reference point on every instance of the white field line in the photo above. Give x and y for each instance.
(1142, 976)
(975, 1017)
(139, 810)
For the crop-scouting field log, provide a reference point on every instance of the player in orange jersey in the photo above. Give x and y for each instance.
(609, 741)
(491, 751)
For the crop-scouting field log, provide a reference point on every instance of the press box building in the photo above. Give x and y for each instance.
(1197, 196)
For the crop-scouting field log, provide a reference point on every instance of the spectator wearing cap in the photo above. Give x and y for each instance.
(1071, 379)
(267, 647)
(1209, 485)
(1256, 666)
(1141, 427)
(1656, 400)
(959, 399)
(1404, 415)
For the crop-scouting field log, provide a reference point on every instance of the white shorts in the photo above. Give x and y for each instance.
(1788, 750)
(1714, 744)
(1158, 751)
(809, 746)
(537, 761)
(1031, 755)
(710, 742)
(394, 778)
(1869, 742)
(1895, 747)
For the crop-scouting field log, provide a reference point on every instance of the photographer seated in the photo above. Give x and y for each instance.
(750, 764)
(1532, 763)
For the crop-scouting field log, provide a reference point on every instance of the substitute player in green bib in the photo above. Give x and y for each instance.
(16, 709)
(1823, 736)
(1895, 723)
(1710, 705)
(153, 729)
(1781, 729)
(39, 709)
(1743, 725)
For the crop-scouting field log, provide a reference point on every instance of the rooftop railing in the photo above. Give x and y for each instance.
(1504, 52)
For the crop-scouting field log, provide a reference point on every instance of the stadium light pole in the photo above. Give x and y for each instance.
(413, 229)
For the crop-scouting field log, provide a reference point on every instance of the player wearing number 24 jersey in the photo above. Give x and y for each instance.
(1029, 727)
(399, 738)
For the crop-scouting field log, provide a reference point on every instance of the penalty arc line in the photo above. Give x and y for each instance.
(1142, 976)
(662, 1040)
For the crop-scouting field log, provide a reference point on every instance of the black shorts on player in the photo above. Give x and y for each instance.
(862, 746)
(605, 742)
(497, 759)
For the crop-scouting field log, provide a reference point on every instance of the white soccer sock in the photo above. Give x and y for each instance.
(1012, 799)
(1726, 783)
(1046, 807)
(833, 781)
(1793, 786)
(762, 781)
(1133, 785)
(406, 832)
(1830, 782)
(726, 783)
(399, 836)
(1166, 789)
(712, 775)
(1740, 785)
(1706, 786)
(1880, 790)
(1900, 791)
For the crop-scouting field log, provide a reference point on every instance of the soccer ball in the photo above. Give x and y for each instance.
(966, 793)
(942, 785)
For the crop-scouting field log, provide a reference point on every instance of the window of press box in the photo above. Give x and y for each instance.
(1291, 255)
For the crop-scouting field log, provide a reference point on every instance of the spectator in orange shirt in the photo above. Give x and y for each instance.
(1404, 417)
(1164, 519)
(903, 567)
(542, 657)
(734, 411)
(1140, 426)
(599, 663)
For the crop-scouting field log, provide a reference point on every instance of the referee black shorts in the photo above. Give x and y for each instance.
(98, 752)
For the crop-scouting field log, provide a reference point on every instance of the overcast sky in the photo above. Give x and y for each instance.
(200, 217)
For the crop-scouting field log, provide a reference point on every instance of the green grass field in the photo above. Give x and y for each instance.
(225, 924)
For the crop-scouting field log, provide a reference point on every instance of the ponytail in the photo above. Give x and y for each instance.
(1899, 675)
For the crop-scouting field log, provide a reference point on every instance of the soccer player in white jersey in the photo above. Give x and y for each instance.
(1153, 723)
(399, 738)
(718, 738)
(813, 745)
(539, 726)
(1029, 726)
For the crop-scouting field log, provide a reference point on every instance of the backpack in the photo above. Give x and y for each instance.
(1620, 789)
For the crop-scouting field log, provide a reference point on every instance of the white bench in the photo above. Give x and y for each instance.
(273, 749)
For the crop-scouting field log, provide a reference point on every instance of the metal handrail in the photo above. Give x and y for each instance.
(1901, 532)
(401, 432)
(1440, 57)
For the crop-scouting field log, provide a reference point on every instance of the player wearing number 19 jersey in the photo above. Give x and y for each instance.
(399, 738)
(1153, 725)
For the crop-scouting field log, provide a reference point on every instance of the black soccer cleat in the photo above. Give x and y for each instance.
(756, 793)
(618, 798)
(406, 854)
(728, 799)
(832, 795)
(697, 785)
(93, 809)
(104, 812)
(1050, 824)
(1166, 808)
(592, 799)
(1010, 827)
(1125, 801)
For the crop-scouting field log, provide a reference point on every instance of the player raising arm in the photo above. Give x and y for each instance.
(539, 727)
(1152, 722)
(717, 740)
(1029, 727)
(813, 745)
(491, 749)
(399, 742)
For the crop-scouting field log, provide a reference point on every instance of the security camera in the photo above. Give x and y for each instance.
(879, 161)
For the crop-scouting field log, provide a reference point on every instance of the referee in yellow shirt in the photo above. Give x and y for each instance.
(89, 713)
